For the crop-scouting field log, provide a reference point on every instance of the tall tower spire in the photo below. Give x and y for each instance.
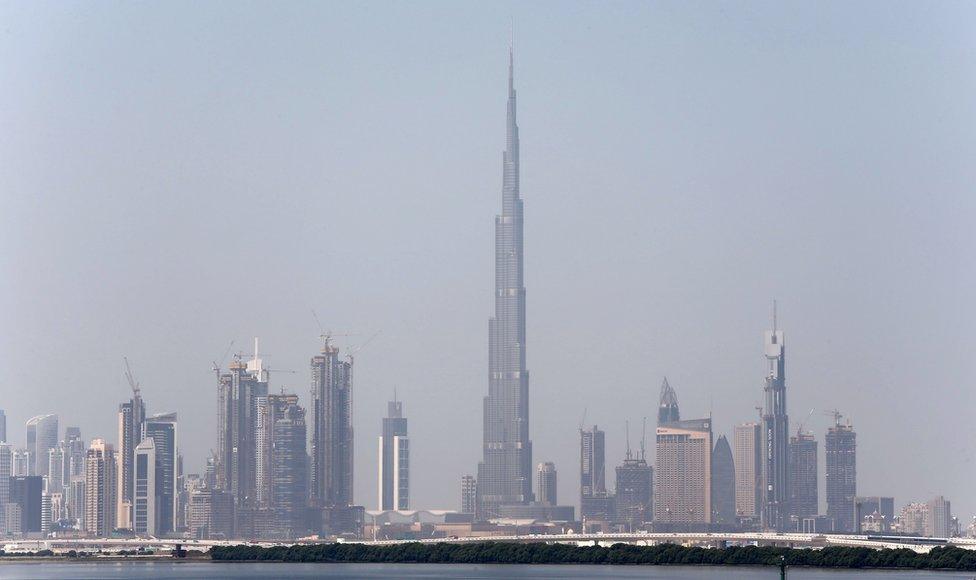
(505, 473)
(776, 508)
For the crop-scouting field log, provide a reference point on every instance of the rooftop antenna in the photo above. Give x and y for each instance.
(511, 39)
(774, 316)
(643, 437)
(583, 420)
(627, 430)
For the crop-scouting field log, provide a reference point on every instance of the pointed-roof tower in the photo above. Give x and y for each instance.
(667, 411)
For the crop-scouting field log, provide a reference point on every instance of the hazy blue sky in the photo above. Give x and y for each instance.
(177, 175)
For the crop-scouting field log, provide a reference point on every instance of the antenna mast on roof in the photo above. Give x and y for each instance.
(643, 437)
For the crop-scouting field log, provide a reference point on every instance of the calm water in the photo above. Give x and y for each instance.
(226, 571)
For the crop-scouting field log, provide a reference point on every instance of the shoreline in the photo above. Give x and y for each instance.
(205, 560)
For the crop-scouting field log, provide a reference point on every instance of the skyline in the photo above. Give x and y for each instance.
(563, 330)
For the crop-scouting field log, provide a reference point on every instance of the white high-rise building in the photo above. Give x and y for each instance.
(76, 500)
(20, 464)
(46, 516)
(100, 489)
(747, 457)
(55, 459)
(938, 521)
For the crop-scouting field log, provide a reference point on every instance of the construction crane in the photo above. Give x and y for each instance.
(355, 350)
(128, 376)
(327, 335)
(799, 428)
(837, 415)
(216, 366)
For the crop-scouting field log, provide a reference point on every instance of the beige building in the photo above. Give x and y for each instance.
(683, 474)
(101, 490)
(747, 455)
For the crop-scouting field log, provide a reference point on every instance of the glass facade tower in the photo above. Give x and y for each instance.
(505, 474)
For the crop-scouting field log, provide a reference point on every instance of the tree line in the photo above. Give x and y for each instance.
(943, 558)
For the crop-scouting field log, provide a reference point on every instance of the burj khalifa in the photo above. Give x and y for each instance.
(505, 473)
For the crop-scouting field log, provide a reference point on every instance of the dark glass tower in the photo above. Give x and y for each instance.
(841, 455)
(723, 483)
(132, 415)
(505, 473)
(162, 430)
(804, 502)
(394, 482)
(776, 437)
(288, 472)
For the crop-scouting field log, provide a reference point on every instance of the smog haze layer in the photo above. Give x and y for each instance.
(179, 175)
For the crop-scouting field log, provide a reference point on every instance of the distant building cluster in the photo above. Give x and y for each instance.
(279, 470)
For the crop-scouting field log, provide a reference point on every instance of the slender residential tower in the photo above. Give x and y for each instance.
(505, 474)
(331, 477)
(776, 438)
(394, 460)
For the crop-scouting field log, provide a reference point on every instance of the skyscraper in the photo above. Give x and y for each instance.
(21, 463)
(747, 456)
(42, 434)
(286, 465)
(3, 426)
(683, 471)
(683, 474)
(100, 489)
(469, 494)
(547, 483)
(841, 451)
(144, 507)
(6, 463)
(237, 394)
(26, 492)
(76, 497)
(803, 476)
(593, 462)
(595, 502)
(131, 416)
(634, 501)
(73, 466)
(938, 520)
(55, 461)
(505, 473)
(162, 430)
(394, 460)
(332, 433)
(723, 483)
(776, 474)
(667, 411)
